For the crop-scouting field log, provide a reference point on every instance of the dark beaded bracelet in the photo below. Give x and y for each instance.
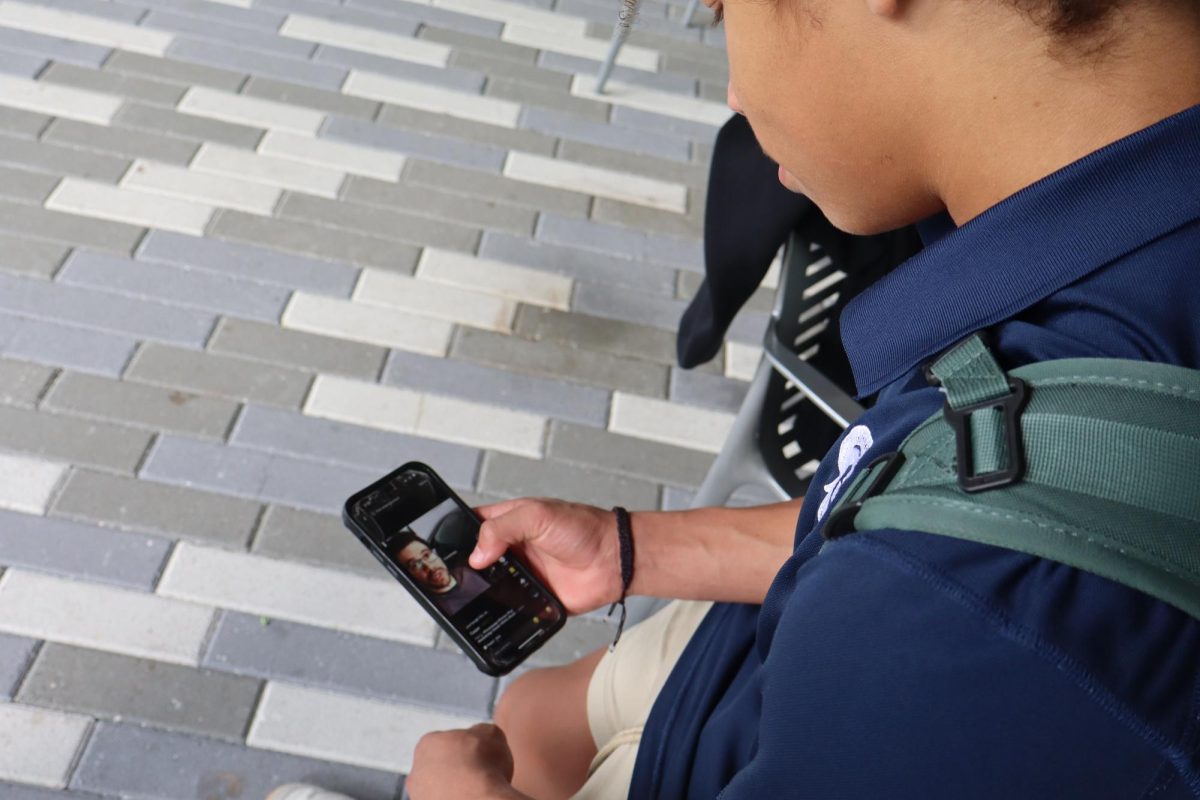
(625, 538)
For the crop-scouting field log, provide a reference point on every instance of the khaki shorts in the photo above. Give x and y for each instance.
(623, 689)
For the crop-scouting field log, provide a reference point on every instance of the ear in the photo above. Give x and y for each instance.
(885, 8)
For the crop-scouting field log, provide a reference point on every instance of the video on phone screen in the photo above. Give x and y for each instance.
(430, 537)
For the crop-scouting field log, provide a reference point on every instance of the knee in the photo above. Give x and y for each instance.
(516, 703)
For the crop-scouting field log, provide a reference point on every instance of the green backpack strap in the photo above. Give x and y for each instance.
(1094, 463)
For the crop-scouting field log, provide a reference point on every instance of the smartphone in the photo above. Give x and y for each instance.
(422, 533)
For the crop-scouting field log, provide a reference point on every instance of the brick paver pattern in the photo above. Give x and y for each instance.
(255, 253)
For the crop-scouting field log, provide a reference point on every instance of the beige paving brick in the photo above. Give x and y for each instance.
(39, 746)
(359, 322)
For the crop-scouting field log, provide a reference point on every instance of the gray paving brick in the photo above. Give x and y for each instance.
(22, 383)
(486, 384)
(413, 15)
(80, 550)
(693, 176)
(225, 376)
(73, 440)
(309, 97)
(132, 760)
(618, 240)
(186, 127)
(16, 654)
(431, 202)
(196, 27)
(601, 301)
(495, 187)
(707, 390)
(664, 123)
(17, 122)
(652, 220)
(677, 499)
(688, 284)
(254, 62)
(206, 9)
(414, 119)
(463, 80)
(478, 44)
(431, 146)
(574, 262)
(513, 476)
(347, 663)
(60, 160)
(571, 126)
(139, 505)
(500, 66)
(61, 50)
(308, 351)
(249, 261)
(77, 305)
(57, 226)
(141, 405)
(673, 38)
(23, 791)
(552, 360)
(714, 92)
(596, 333)
(320, 539)
(68, 346)
(702, 153)
(108, 10)
(25, 186)
(167, 69)
(22, 65)
(135, 87)
(108, 685)
(209, 291)
(383, 223)
(254, 474)
(293, 434)
(120, 141)
(574, 65)
(627, 456)
(310, 240)
(558, 100)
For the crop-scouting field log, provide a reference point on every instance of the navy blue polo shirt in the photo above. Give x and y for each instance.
(901, 664)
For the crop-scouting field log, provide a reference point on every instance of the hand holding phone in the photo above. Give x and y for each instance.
(572, 546)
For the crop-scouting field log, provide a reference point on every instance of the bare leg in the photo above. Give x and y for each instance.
(544, 715)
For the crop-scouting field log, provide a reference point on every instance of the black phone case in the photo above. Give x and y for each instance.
(467, 647)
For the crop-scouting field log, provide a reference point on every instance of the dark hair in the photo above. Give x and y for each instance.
(1069, 19)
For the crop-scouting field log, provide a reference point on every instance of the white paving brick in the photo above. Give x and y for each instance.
(38, 746)
(741, 360)
(630, 55)
(353, 158)
(352, 730)
(299, 592)
(365, 323)
(416, 296)
(83, 28)
(90, 615)
(229, 107)
(428, 415)
(645, 99)
(360, 403)
(522, 284)
(284, 173)
(422, 96)
(59, 101)
(596, 181)
(670, 423)
(365, 40)
(106, 201)
(478, 425)
(529, 16)
(27, 484)
(225, 191)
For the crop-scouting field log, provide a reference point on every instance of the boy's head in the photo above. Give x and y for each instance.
(885, 112)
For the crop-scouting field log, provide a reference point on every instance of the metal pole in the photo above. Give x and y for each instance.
(629, 10)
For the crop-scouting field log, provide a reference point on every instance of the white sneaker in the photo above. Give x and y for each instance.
(303, 791)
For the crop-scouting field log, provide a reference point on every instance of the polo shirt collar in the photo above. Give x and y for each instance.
(1026, 247)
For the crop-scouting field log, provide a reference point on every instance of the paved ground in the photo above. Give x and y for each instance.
(253, 253)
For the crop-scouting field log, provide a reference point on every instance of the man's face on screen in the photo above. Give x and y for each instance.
(425, 566)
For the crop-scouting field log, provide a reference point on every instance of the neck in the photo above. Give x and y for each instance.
(1029, 124)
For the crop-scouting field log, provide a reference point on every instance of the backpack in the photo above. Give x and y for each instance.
(1090, 462)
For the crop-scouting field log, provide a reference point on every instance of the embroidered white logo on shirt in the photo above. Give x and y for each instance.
(857, 441)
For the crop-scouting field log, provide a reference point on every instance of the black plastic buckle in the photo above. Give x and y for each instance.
(960, 420)
(841, 519)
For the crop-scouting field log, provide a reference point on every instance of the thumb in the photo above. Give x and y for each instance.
(496, 535)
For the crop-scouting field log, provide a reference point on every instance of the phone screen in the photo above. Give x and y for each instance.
(423, 529)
